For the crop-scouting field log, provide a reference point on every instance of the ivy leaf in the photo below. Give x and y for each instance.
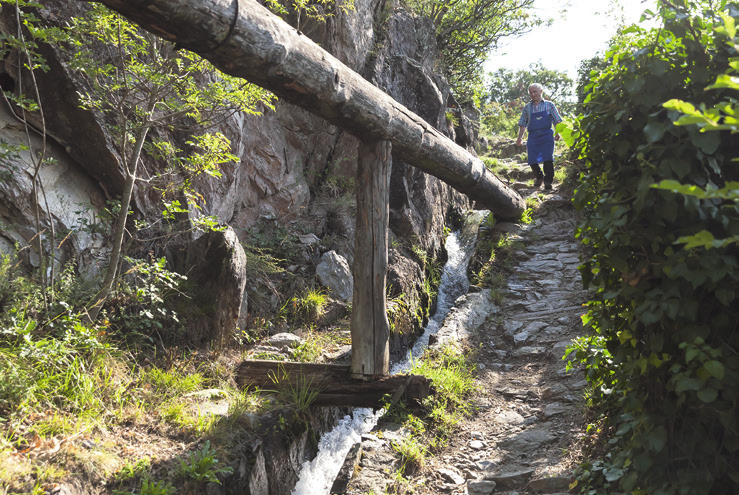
(708, 142)
(707, 395)
(703, 238)
(654, 131)
(680, 106)
(715, 368)
(685, 383)
(725, 296)
(725, 81)
(613, 474)
(566, 129)
(656, 439)
(691, 354)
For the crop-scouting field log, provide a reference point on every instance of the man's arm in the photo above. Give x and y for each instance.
(521, 130)
(523, 123)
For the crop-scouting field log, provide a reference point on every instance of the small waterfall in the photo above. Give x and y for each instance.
(317, 476)
(454, 283)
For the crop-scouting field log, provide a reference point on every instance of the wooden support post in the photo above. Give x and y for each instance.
(370, 328)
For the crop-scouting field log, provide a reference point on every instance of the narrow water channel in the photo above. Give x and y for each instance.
(317, 476)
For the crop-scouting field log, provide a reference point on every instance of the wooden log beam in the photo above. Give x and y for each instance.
(333, 383)
(370, 328)
(244, 39)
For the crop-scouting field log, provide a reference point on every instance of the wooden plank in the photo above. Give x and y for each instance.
(335, 385)
(370, 328)
(244, 39)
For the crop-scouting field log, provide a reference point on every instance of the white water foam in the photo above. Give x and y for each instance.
(317, 476)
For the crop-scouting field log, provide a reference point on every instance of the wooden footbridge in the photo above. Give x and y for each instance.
(244, 39)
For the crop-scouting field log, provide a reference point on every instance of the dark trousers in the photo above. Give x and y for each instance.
(548, 171)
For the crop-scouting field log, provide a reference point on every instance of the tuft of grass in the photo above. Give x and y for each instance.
(65, 382)
(299, 390)
(421, 255)
(527, 217)
(316, 343)
(310, 304)
(560, 175)
(452, 374)
(412, 454)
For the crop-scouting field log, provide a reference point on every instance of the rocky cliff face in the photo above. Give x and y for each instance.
(292, 166)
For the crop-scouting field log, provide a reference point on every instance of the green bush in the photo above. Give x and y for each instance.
(662, 358)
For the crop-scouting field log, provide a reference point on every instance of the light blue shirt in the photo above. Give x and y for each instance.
(543, 106)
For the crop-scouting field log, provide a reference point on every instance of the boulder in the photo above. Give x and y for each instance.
(216, 270)
(334, 272)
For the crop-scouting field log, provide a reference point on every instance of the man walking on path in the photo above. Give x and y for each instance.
(538, 117)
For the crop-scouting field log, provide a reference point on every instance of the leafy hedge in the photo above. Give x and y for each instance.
(663, 357)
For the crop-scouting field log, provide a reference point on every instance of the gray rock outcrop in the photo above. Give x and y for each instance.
(215, 265)
(334, 272)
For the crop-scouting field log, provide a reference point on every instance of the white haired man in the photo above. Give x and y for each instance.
(539, 116)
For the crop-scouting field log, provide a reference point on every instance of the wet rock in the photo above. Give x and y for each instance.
(351, 464)
(465, 318)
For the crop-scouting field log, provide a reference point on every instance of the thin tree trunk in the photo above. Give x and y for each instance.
(94, 306)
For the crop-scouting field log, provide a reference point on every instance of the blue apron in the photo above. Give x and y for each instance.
(540, 146)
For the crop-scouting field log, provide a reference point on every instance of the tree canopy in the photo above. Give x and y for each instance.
(467, 30)
(505, 85)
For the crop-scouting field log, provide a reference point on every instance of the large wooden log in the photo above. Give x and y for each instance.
(369, 324)
(332, 382)
(244, 39)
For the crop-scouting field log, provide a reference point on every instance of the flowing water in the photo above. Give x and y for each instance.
(317, 476)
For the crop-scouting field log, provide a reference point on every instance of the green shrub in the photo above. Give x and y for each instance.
(662, 358)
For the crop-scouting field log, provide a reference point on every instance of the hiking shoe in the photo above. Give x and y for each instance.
(548, 187)
(538, 181)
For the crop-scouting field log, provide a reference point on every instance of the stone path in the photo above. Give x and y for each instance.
(529, 411)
